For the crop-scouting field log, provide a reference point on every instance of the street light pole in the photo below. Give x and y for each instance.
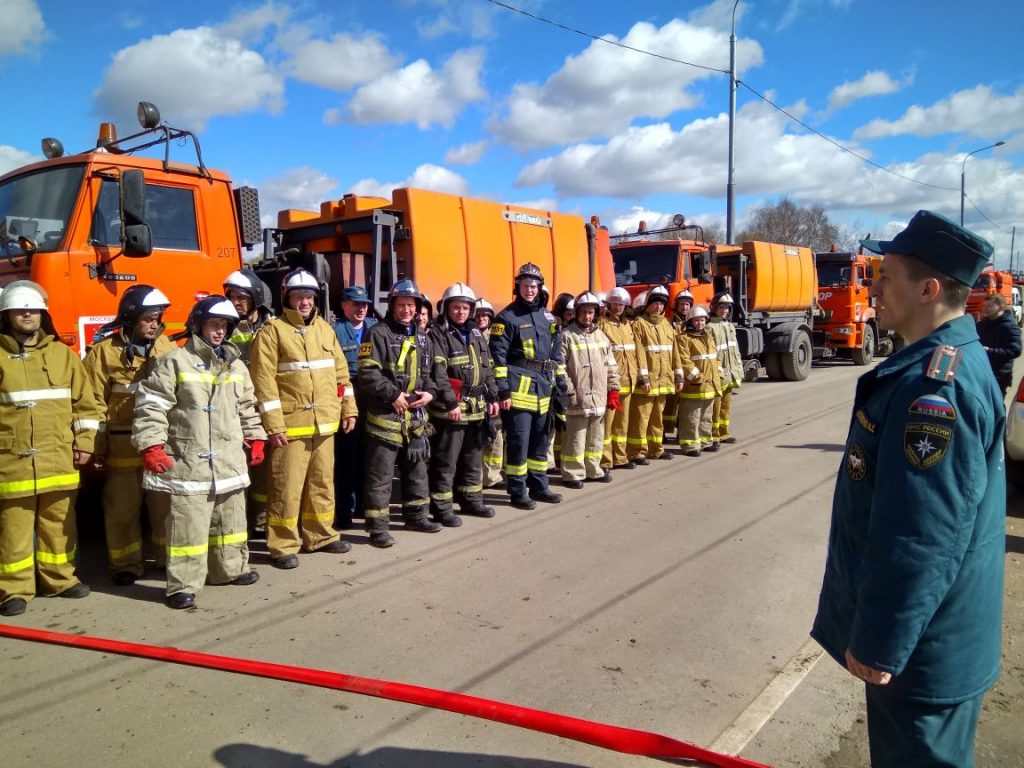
(963, 171)
(730, 194)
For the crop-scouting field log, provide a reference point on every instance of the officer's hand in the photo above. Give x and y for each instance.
(423, 399)
(866, 673)
(492, 410)
(348, 424)
(455, 414)
(82, 458)
(280, 440)
(505, 404)
(401, 404)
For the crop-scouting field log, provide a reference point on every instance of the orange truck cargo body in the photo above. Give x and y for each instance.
(989, 282)
(70, 207)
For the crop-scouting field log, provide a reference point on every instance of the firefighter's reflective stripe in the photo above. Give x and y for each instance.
(537, 465)
(270, 405)
(313, 429)
(228, 538)
(709, 395)
(658, 347)
(305, 365)
(469, 488)
(31, 395)
(208, 378)
(118, 388)
(443, 496)
(623, 347)
(218, 486)
(409, 347)
(501, 371)
(193, 550)
(589, 455)
(160, 403)
(131, 549)
(596, 346)
(55, 558)
(83, 425)
(39, 485)
(713, 356)
(28, 562)
(518, 470)
(384, 423)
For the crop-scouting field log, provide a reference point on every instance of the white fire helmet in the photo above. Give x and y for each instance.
(298, 280)
(618, 295)
(587, 299)
(460, 292)
(696, 311)
(658, 293)
(640, 301)
(23, 294)
(484, 307)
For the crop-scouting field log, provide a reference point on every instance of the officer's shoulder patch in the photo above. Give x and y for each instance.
(856, 462)
(925, 444)
(944, 362)
(365, 349)
(933, 406)
(498, 329)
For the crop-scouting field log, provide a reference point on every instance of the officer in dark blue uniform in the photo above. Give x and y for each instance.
(530, 374)
(348, 447)
(912, 596)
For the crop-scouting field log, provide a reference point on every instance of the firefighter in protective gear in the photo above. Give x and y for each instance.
(302, 386)
(619, 330)
(397, 380)
(656, 361)
(348, 447)
(194, 415)
(115, 366)
(530, 374)
(730, 363)
(466, 401)
(680, 306)
(564, 309)
(593, 387)
(494, 448)
(48, 423)
(698, 382)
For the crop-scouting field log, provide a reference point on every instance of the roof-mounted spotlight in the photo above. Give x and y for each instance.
(52, 148)
(678, 220)
(148, 114)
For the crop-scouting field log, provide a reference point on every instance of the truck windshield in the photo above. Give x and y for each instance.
(38, 205)
(833, 274)
(984, 282)
(648, 263)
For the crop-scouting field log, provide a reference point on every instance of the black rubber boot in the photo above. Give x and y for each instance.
(423, 525)
(245, 579)
(377, 527)
(285, 562)
(574, 484)
(523, 502)
(13, 607)
(712, 448)
(339, 547)
(477, 510)
(179, 601)
(546, 495)
(124, 578)
(448, 519)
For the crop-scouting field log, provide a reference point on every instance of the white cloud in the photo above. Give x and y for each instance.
(466, 154)
(629, 221)
(427, 176)
(976, 111)
(540, 203)
(250, 25)
(340, 63)
(21, 27)
(717, 15)
(600, 91)
(456, 18)
(12, 157)
(418, 93)
(874, 83)
(192, 75)
(796, 7)
(300, 188)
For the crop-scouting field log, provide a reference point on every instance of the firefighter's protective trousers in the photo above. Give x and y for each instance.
(616, 433)
(646, 427)
(720, 417)
(349, 468)
(383, 460)
(494, 458)
(122, 501)
(49, 519)
(206, 540)
(582, 447)
(526, 451)
(695, 423)
(300, 510)
(456, 455)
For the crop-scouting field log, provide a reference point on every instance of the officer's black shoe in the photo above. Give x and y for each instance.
(285, 562)
(448, 520)
(692, 452)
(712, 448)
(605, 478)
(77, 591)
(730, 440)
(124, 579)
(339, 547)
(13, 607)
(666, 456)
(423, 525)
(181, 600)
(574, 484)
(245, 579)
(477, 510)
(641, 461)
(546, 495)
(381, 539)
(523, 502)
(627, 465)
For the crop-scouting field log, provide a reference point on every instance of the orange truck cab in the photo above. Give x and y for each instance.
(989, 282)
(90, 225)
(436, 239)
(848, 325)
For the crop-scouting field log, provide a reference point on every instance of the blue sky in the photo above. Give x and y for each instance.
(309, 100)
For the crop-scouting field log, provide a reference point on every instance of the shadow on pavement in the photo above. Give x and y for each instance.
(826, 447)
(253, 756)
(1015, 544)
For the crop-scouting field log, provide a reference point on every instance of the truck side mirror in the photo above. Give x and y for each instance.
(867, 282)
(138, 240)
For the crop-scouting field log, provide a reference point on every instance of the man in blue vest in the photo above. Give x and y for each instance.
(912, 596)
(348, 448)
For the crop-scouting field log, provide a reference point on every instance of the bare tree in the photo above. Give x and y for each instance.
(787, 222)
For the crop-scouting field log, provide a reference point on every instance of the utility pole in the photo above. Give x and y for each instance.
(730, 190)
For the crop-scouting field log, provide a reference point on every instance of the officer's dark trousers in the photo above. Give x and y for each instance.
(349, 460)
(382, 459)
(911, 734)
(456, 465)
(526, 451)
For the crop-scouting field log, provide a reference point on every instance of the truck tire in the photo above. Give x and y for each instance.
(773, 366)
(885, 346)
(796, 365)
(866, 353)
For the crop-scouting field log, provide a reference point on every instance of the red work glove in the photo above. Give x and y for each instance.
(256, 452)
(341, 391)
(156, 460)
(614, 402)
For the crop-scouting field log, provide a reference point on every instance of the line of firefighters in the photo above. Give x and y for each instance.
(183, 430)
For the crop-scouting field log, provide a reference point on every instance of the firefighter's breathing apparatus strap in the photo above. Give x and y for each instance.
(613, 737)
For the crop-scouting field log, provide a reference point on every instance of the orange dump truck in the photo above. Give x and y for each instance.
(437, 239)
(90, 225)
(989, 282)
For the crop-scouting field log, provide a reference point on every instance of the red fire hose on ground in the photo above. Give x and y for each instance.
(613, 737)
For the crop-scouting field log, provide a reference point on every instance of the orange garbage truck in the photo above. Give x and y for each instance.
(848, 323)
(989, 282)
(87, 226)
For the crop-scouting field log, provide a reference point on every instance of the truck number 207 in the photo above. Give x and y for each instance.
(227, 252)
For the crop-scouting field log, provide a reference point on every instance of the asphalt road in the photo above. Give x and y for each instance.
(676, 599)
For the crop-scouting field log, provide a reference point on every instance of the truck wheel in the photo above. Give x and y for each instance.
(751, 370)
(866, 353)
(773, 366)
(898, 343)
(885, 347)
(796, 365)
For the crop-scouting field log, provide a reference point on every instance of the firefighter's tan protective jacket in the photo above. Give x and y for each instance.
(47, 411)
(115, 378)
(296, 369)
(698, 365)
(201, 408)
(620, 333)
(729, 358)
(655, 354)
(591, 369)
